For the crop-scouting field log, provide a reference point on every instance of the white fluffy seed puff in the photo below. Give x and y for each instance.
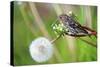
(41, 49)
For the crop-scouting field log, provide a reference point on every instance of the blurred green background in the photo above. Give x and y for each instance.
(33, 20)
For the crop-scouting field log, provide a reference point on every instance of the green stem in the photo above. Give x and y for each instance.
(56, 38)
(90, 43)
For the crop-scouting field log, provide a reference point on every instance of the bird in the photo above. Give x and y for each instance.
(73, 27)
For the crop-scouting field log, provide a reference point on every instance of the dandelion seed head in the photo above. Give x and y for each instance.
(41, 49)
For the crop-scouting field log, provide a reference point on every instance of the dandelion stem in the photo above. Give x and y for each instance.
(92, 44)
(56, 38)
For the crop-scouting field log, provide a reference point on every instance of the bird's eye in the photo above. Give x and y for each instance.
(60, 17)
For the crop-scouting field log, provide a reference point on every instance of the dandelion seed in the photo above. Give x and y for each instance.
(41, 49)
